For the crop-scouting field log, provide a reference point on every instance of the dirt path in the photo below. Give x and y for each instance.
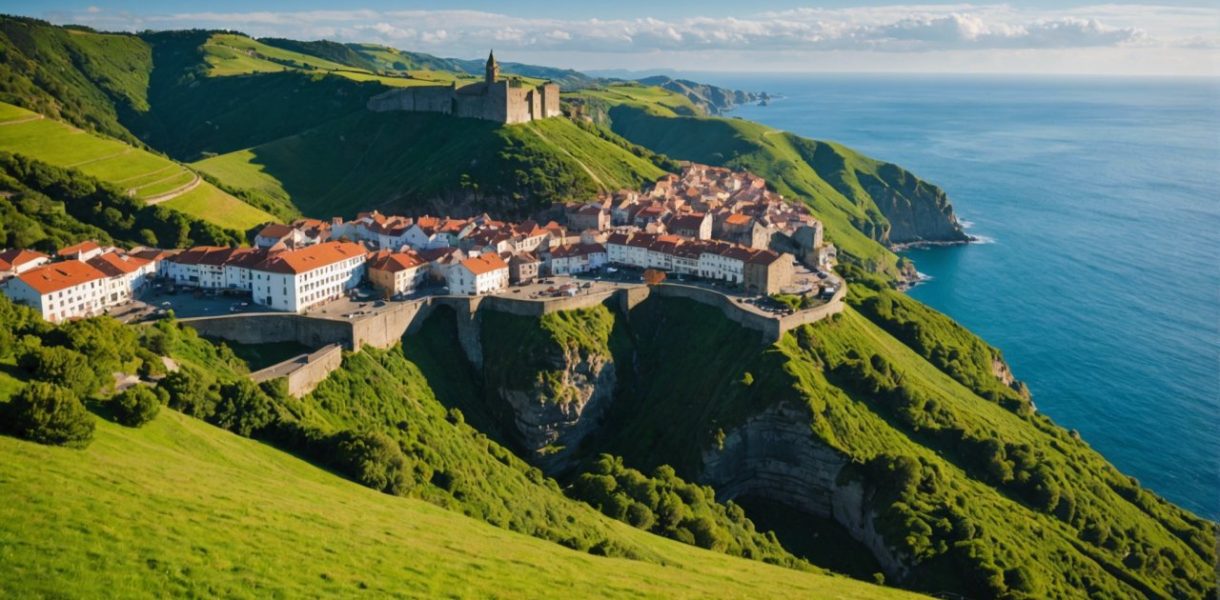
(601, 184)
(23, 120)
(170, 195)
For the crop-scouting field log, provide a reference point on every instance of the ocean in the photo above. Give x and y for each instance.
(1097, 203)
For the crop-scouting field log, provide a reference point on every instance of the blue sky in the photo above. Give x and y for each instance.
(1038, 36)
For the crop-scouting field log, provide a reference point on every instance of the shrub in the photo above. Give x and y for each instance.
(61, 366)
(135, 406)
(189, 394)
(49, 414)
(373, 459)
(243, 408)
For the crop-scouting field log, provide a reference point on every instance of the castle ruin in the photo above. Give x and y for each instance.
(493, 99)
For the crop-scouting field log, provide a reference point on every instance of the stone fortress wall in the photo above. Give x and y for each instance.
(493, 99)
(386, 326)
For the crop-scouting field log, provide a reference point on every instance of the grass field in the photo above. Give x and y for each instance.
(180, 508)
(142, 174)
(398, 160)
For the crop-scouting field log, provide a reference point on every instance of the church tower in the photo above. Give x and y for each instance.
(493, 69)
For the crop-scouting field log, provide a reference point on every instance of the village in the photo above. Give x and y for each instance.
(709, 227)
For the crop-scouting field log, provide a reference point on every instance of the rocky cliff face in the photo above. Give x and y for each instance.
(917, 211)
(774, 455)
(712, 99)
(562, 405)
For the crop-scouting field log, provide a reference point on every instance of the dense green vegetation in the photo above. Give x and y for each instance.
(668, 506)
(979, 495)
(361, 161)
(47, 207)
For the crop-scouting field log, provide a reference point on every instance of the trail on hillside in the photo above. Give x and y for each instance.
(22, 120)
(170, 195)
(600, 184)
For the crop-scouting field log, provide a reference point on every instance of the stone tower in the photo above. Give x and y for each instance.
(493, 69)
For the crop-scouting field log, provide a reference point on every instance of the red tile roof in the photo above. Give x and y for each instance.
(10, 259)
(85, 246)
(394, 262)
(484, 263)
(114, 264)
(60, 276)
(275, 231)
(313, 257)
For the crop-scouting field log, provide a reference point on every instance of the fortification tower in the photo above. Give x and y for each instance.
(493, 68)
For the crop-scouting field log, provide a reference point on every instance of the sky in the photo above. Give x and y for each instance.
(1036, 36)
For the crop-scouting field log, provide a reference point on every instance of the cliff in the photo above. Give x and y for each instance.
(937, 469)
(711, 99)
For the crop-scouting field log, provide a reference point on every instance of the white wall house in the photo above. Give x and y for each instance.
(63, 290)
(125, 275)
(577, 258)
(295, 280)
(15, 262)
(482, 274)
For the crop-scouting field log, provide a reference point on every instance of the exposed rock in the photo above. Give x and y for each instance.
(918, 212)
(774, 455)
(563, 405)
(712, 99)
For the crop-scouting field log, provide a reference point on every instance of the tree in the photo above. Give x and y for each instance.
(375, 460)
(135, 406)
(243, 408)
(60, 366)
(654, 276)
(49, 414)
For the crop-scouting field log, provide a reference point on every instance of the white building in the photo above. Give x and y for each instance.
(63, 290)
(576, 258)
(202, 267)
(82, 251)
(482, 274)
(295, 280)
(125, 275)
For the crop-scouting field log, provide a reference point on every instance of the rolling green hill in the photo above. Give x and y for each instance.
(419, 161)
(138, 173)
(971, 490)
(181, 508)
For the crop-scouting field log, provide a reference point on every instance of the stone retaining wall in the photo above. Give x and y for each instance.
(260, 328)
(304, 372)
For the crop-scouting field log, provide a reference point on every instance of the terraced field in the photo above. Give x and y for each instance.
(141, 174)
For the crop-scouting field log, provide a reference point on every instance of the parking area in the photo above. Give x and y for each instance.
(156, 299)
(558, 287)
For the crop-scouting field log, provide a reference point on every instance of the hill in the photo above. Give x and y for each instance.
(416, 162)
(866, 204)
(712, 99)
(912, 449)
(179, 507)
(139, 173)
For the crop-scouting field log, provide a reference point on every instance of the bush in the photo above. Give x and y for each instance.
(244, 408)
(135, 406)
(61, 366)
(375, 460)
(49, 414)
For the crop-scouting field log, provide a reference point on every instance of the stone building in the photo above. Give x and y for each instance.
(493, 99)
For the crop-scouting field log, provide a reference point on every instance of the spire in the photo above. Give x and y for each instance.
(493, 69)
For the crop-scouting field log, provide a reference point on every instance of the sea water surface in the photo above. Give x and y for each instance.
(1099, 200)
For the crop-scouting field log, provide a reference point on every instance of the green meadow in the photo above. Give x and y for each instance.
(139, 173)
(181, 508)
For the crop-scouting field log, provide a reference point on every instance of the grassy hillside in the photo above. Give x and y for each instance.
(981, 495)
(179, 507)
(420, 161)
(136, 172)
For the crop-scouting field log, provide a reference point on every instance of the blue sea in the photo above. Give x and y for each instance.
(1098, 205)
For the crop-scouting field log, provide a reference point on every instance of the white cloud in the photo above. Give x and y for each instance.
(810, 32)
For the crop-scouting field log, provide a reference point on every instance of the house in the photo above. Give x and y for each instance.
(201, 267)
(692, 225)
(82, 251)
(768, 272)
(15, 262)
(523, 268)
(156, 256)
(125, 275)
(441, 260)
(59, 291)
(482, 274)
(589, 216)
(576, 258)
(313, 231)
(276, 233)
(397, 272)
(295, 280)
